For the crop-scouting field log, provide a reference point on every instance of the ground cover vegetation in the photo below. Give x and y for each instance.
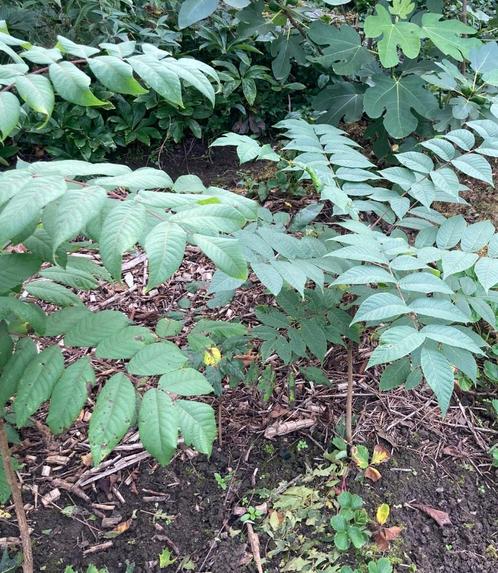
(376, 121)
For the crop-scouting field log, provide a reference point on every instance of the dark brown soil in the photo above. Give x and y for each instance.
(469, 544)
(195, 518)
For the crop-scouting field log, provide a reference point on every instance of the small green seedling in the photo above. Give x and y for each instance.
(223, 481)
(165, 559)
(350, 523)
(302, 445)
(251, 515)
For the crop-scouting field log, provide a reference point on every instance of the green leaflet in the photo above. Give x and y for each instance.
(425, 283)
(165, 247)
(380, 306)
(226, 254)
(450, 232)
(451, 336)
(116, 75)
(16, 268)
(72, 84)
(475, 166)
(486, 270)
(72, 213)
(124, 343)
(185, 382)
(27, 313)
(9, 113)
(6, 345)
(24, 209)
(269, 277)
(143, 178)
(158, 425)
(457, 261)
(477, 236)
(364, 274)
(37, 92)
(90, 328)
(197, 424)
(37, 383)
(53, 293)
(156, 358)
(69, 395)
(122, 229)
(395, 343)
(395, 374)
(159, 76)
(438, 308)
(192, 11)
(112, 416)
(438, 374)
(25, 351)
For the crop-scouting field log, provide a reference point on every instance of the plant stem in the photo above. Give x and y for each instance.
(463, 66)
(27, 565)
(349, 397)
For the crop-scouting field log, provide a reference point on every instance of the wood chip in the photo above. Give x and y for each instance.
(57, 460)
(110, 522)
(50, 497)
(71, 487)
(282, 428)
(97, 548)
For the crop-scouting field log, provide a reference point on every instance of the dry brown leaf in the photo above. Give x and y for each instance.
(385, 535)
(440, 517)
(372, 474)
(380, 455)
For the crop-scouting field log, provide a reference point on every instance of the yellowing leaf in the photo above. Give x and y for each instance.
(212, 356)
(380, 455)
(382, 514)
(359, 454)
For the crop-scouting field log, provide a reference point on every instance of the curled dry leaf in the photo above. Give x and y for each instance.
(372, 474)
(440, 517)
(385, 535)
(380, 455)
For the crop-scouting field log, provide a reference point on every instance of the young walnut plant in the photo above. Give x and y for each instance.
(53, 208)
(429, 291)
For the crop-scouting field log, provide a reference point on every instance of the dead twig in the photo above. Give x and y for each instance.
(349, 397)
(254, 542)
(27, 565)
